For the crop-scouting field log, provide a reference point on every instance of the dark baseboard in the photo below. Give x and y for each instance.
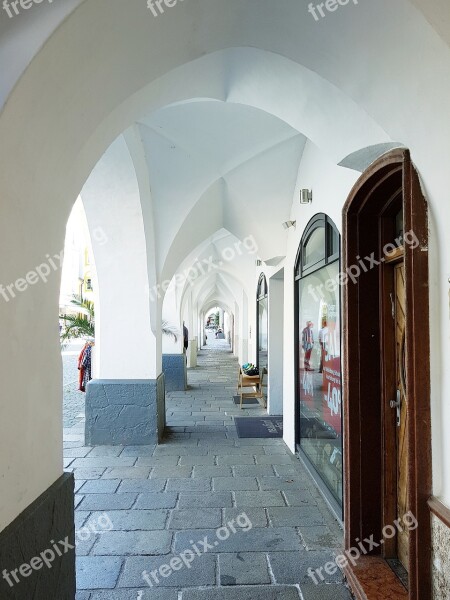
(37, 536)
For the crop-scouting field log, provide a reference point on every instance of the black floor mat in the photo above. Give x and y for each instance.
(237, 400)
(259, 427)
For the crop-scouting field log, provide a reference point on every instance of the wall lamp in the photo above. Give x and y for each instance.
(258, 262)
(289, 224)
(305, 196)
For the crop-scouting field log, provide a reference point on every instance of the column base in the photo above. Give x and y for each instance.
(30, 540)
(175, 372)
(128, 412)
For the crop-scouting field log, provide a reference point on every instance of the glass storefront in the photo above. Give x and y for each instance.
(263, 325)
(263, 322)
(319, 409)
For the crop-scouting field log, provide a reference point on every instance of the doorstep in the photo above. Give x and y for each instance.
(372, 579)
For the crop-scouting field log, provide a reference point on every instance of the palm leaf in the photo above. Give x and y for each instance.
(170, 330)
(80, 325)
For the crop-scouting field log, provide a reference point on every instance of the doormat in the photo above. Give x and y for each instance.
(237, 400)
(259, 427)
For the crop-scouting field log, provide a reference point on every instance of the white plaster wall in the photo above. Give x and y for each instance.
(112, 204)
(171, 314)
(276, 350)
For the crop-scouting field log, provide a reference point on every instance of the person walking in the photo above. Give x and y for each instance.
(308, 344)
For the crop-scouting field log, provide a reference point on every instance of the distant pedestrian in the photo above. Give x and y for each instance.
(185, 337)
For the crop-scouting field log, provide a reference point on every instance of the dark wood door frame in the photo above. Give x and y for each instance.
(392, 176)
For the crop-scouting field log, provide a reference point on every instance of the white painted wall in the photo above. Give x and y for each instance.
(276, 350)
(123, 328)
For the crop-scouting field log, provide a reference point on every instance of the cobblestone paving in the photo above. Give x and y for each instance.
(73, 406)
(206, 515)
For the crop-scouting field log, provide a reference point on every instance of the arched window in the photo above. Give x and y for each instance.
(319, 246)
(318, 353)
(262, 311)
(262, 287)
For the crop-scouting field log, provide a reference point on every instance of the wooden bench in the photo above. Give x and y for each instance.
(251, 381)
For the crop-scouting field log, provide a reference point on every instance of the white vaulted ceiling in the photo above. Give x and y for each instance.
(230, 165)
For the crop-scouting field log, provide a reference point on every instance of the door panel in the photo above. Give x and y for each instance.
(402, 426)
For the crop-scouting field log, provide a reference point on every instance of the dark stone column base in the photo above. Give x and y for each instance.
(43, 531)
(128, 412)
(174, 368)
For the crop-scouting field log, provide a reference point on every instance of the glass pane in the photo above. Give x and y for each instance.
(333, 241)
(320, 375)
(314, 249)
(263, 322)
(399, 228)
(262, 288)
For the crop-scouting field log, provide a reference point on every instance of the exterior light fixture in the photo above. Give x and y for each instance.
(305, 196)
(289, 224)
(258, 263)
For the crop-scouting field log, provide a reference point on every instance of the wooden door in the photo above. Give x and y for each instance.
(402, 412)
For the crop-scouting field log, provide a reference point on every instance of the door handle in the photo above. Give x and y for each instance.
(397, 404)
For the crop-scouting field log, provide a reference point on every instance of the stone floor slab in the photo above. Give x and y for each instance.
(132, 520)
(243, 568)
(214, 471)
(142, 485)
(88, 473)
(264, 499)
(106, 451)
(156, 500)
(325, 592)
(252, 470)
(98, 572)
(295, 516)
(155, 461)
(126, 473)
(202, 571)
(274, 459)
(190, 461)
(276, 539)
(132, 594)
(170, 471)
(319, 537)
(195, 518)
(100, 486)
(126, 543)
(205, 500)
(299, 498)
(293, 567)
(281, 483)
(235, 483)
(103, 461)
(243, 459)
(189, 485)
(243, 593)
(257, 516)
(108, 501)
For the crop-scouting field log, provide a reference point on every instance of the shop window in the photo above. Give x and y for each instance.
(263, 323)
(318, 355)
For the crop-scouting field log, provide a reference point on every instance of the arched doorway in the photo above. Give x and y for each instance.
(318, 356)
(386, 380)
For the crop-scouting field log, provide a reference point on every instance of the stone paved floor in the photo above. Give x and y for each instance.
(73, 407)
(147, 508)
